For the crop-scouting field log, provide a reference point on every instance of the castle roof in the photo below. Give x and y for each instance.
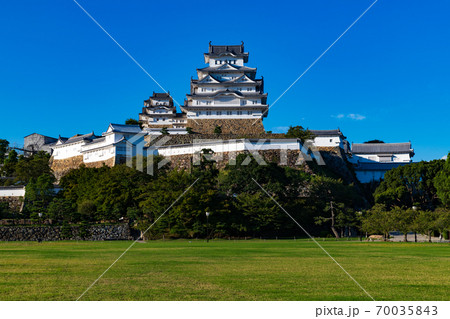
(160, 96)
(227, 68)
(382, 148)
(123, 128)
(325, 133)
(224, 50)
(76, 138)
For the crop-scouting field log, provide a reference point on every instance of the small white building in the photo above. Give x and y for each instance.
(330, 138)
(373, 160)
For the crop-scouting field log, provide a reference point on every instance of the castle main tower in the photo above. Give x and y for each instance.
(226, 94)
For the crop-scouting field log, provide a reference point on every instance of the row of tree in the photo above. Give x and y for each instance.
(380, 220)
(238, 206)
(236, 197)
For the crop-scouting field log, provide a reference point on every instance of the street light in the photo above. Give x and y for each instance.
(207, 227)
(40, 224)
(414, 208)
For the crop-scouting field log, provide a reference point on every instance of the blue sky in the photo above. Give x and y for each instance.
(388, 78)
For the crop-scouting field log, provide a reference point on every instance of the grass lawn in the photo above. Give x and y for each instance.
(224, 270)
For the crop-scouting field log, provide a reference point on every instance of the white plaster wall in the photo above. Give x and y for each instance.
(15, 192)
(396, 158)
(66, 151)
(239, 61)
(326, 141)
(234, 114)
(220, 146)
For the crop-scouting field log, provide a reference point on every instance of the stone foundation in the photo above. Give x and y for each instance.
(62, 167)
(292, 158)
(229, 126)
(15, 203)
(52, 233)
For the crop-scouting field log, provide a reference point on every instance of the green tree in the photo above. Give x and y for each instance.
(336, 199)
(262, 216)
(28, 168)
(131, 121)
(442, 183)
(9, 164)
(403, 220)
(378, 221)
(87, 210)
(164, 131)
(38, 195)
(410, 185)
(442, 221)
(3, 149)
(4, 210)
(61, 209)
(300, 133)
(218, 130)
(189, 130)
(112, 190)
(424, 223)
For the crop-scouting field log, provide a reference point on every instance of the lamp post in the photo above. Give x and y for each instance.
(415, 233)
(207, 227)
(40, 224)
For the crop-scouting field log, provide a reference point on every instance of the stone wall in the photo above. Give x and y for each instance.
(15, 203)
(229, 126)
(62, 167)
(179, 139)
(293, 158)
(52, 233)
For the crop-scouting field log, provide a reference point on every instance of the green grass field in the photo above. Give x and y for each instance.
(224, 270)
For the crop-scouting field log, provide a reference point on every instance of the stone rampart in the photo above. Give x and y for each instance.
(52, 233)
(63, 166)
(229, 126)
(15, 203)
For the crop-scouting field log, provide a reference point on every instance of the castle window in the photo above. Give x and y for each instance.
(203, 89)
(219, 113)
(249, 112)
(198, 102)
(239, 112)
(255, 102)
(208, 112)
(208, 102)
(229, 113)
(249, 89)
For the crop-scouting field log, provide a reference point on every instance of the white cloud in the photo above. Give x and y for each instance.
(357, 117)
(444, 157)
(352, 116)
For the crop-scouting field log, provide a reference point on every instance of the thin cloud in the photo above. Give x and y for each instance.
(357, 117)
(352, 116)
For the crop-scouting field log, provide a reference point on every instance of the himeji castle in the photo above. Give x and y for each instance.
(227, 93)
